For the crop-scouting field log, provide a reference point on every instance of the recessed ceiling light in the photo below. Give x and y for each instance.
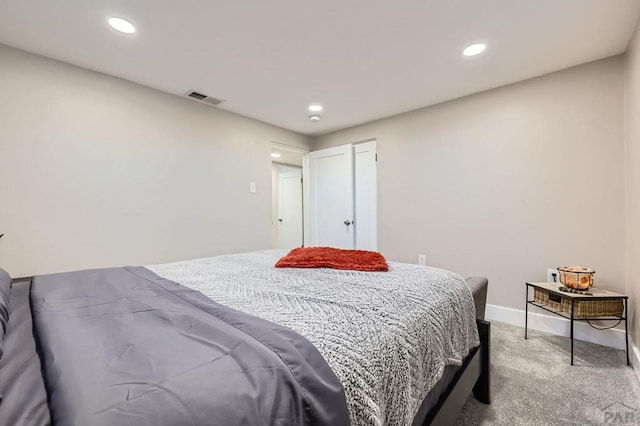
(275, 155)
(474, 49)
(314, 117)
(315, 108)
(121, 25)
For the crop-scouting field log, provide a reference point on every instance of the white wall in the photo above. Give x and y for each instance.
(96, 171)
(632, 68)
(509, 182)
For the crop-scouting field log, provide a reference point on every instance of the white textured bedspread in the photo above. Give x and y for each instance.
(386, 335)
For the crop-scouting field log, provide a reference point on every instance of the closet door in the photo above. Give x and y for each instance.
(343, 197)
(332, 197)
(366, 203)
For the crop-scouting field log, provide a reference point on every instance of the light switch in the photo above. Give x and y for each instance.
(252, 187)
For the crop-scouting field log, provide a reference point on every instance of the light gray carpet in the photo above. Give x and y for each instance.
(533, 383)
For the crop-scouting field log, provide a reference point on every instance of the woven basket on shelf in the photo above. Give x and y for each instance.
(582, 308)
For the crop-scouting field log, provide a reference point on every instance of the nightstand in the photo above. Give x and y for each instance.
(601, 305)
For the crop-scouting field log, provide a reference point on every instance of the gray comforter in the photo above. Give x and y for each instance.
(123, 346)
(387, 335)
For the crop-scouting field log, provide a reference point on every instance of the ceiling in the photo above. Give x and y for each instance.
(362, 59)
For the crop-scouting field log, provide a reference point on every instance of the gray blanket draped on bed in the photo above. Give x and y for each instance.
(123, 346)
(387, 335)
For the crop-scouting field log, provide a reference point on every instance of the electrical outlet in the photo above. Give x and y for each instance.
(551, 273)
(422, 260)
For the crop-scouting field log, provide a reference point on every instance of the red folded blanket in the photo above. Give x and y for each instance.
(328, 257)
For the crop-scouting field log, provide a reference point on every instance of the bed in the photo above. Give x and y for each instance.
(233, 340)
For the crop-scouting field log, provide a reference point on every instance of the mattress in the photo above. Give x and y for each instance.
(388, 336)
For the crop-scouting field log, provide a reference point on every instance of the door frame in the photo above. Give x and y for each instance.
(294, 171)
(305, 184)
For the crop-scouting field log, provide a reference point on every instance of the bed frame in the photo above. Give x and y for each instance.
(473, 375)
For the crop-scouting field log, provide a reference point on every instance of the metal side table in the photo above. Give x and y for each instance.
(553, 289)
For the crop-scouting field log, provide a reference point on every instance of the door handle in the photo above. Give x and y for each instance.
(347, 222)
(280, 220)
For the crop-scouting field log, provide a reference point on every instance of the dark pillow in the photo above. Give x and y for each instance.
(5, 288)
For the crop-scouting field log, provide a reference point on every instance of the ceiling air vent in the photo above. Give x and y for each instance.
(204, 98)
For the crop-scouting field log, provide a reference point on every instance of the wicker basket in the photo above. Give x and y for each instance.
(576, 277)
(582, 308)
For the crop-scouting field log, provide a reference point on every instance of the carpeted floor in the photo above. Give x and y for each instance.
(533, 383)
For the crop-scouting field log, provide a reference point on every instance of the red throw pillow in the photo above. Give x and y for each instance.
(329, 257)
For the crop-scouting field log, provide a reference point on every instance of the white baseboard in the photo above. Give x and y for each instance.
(559, 326)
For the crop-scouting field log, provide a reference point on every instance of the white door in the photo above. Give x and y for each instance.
(366, 204)
(331, 197)
(289, 209)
